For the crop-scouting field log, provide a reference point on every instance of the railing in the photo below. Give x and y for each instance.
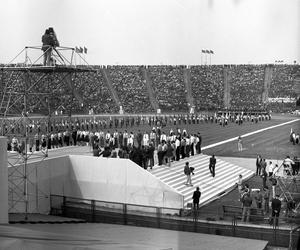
(285, 234)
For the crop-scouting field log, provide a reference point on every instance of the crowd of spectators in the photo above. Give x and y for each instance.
(91, 92)
(169, 87)
(207, 87)
(131, 88)
(282, 83)
(283, 86)
(95, 93)
(247, 86)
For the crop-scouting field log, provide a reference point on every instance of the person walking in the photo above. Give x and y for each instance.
(187, 172)
(212, 165)
(196, 198)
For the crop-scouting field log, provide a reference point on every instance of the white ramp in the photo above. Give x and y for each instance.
(118, 180)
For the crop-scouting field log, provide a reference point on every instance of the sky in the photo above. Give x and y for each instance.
(155, 32)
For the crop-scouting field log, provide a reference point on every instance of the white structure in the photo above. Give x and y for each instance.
(88, 177)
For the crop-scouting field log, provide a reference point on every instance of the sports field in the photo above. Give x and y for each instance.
(271, 144)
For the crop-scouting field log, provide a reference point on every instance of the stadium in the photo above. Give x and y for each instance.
(94, 155)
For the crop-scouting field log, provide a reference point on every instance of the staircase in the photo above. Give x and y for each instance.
(151, 94)
(210, 187)
(110, 87)
(188, 87)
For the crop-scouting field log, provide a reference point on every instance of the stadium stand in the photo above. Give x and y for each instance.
(248, 87)
(207, 87)
(169, 87)
(131, 87)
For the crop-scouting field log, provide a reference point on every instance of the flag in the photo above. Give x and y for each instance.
(85, 50)
(77, 50)
(203, 51)
(81, 50)
(211, 52)
(207, 51)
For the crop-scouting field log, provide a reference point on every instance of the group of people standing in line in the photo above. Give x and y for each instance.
(140, 147)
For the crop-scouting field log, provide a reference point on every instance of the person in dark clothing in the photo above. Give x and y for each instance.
(196, 198)
(212, 165)
(160, 154)
(96, 150)
(139, 138)
(150, 153)
(264, 177)
(258, 164)
(46, 47)
(106, 153)
(276, 206)
(247, 202)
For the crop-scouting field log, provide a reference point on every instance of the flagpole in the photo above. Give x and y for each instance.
(201, 57)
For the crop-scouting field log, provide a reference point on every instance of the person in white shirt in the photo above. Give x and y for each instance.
(131, 139)
(177, 148)
(163, 137)
(287, 164)
(152, 138)
(270, 169)
(107, 138)
(146, 139)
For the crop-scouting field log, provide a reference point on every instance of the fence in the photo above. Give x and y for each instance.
(286, 234)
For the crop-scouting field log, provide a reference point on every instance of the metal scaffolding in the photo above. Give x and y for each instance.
(27, 86)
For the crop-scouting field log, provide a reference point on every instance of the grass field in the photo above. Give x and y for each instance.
(271, 144)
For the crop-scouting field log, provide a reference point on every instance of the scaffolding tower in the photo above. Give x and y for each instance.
(288, 184)
(27, 89)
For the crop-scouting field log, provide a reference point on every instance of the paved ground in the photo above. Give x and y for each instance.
(114, 237)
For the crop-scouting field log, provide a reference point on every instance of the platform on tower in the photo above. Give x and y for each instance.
(48, 69)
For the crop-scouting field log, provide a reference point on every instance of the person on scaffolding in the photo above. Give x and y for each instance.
(50, 42)
(46, 47)
(53, 43)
